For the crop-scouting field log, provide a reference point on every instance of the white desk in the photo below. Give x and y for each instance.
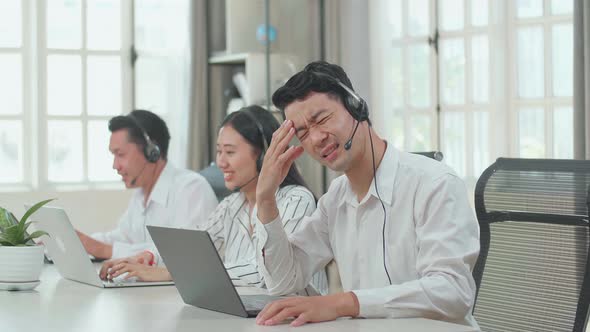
(63, 305)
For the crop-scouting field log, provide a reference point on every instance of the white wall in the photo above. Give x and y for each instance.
(89, 211)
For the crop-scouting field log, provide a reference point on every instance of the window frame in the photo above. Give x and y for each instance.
(35, 117)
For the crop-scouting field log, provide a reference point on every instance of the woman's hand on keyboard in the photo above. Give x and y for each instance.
(140, 271)
(141, 258)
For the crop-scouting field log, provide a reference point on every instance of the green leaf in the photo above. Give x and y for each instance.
(13, 234)
(34, 209)
(35, 235)
(5, 242)
(6, 219)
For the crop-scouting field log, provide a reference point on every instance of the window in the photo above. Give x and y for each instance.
(13, 94)
(477, 79)
(65, 72)
(541, 99)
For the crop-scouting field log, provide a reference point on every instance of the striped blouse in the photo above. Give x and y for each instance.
(232, 232)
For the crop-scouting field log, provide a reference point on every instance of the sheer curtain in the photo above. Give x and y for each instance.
(163, 42)
(198, 153)
(581, 79)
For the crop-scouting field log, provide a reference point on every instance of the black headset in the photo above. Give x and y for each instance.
(151, 150)
(264, 141)
(354, 104)
(357, 107)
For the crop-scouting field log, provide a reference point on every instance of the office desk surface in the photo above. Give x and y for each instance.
(58, 304)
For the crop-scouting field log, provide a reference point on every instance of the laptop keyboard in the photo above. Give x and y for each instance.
(257, 302)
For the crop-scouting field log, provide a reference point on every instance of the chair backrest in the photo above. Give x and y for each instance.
(215, 178)
(532, 272)
(436, 155)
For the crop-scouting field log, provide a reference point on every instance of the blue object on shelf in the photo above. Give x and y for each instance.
(261, 34)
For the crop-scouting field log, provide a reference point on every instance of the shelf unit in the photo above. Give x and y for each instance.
(234, 49)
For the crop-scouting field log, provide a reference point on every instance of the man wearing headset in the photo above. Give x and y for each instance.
(398, 225)
(165, 196)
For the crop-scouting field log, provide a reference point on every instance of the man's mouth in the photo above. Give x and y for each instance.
(327, 151)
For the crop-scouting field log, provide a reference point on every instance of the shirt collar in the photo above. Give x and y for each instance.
(385, 176)
(163, 185)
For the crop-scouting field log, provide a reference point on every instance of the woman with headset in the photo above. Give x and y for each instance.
(242, 141)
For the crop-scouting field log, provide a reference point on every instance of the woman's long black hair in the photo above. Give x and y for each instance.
(244, 124)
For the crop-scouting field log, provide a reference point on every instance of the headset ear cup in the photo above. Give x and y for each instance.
(152, 152)
(363, 111)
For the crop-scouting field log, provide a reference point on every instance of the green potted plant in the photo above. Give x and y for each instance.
(20, 258)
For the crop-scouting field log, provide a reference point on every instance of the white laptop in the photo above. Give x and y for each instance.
(68, 253)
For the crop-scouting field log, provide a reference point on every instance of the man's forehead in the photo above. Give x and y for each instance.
(119, 140)
(304, 109)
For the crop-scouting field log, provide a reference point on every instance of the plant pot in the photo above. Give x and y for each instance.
(21, 264)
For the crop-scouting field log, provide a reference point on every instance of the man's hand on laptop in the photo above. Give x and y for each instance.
(143, 258)
(304, 309)
(140, 271)
(94, 247)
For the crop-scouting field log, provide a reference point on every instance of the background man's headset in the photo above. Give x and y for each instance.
(357, 107)
(260, 158)
(151, 150)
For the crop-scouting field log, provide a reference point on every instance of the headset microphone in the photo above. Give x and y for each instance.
(238, 188)
(348, 143)
(138, 175)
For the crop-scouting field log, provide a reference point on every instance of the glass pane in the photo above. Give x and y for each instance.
(451, 14)
(11, 151)
(529, 8)
(479, 12)
(104, 24)
(419, 75)
(397, 78)
(394, 17)
(531, 133)
(150, 85)
(64, 85)
(397, 122)
(162, 24)
(10, 23)
(420, 129)
(480, 68)
(100, 159)
(452, 71)
(11, 84)
(64, 24)
(104, 85)
(453, 141)
(64, 151)
(481, 144)
(563, 129)
(530, 62)
(563, 60)
(418, 18)
(560, 7)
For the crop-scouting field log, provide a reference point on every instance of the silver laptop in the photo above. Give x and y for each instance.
(199, 273)
(68, 253)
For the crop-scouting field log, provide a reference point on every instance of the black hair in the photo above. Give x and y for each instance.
(245, 126)
(317, 76)
(153, 125)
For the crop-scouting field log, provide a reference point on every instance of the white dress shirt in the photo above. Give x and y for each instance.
(232, 232)
(431, 240)
(180, 199)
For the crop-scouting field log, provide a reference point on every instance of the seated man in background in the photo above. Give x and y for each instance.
(399, 226)
(164, 196)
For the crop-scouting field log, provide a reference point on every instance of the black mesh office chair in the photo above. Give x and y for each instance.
(436, 155)
(215, 178)
(532, 272)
